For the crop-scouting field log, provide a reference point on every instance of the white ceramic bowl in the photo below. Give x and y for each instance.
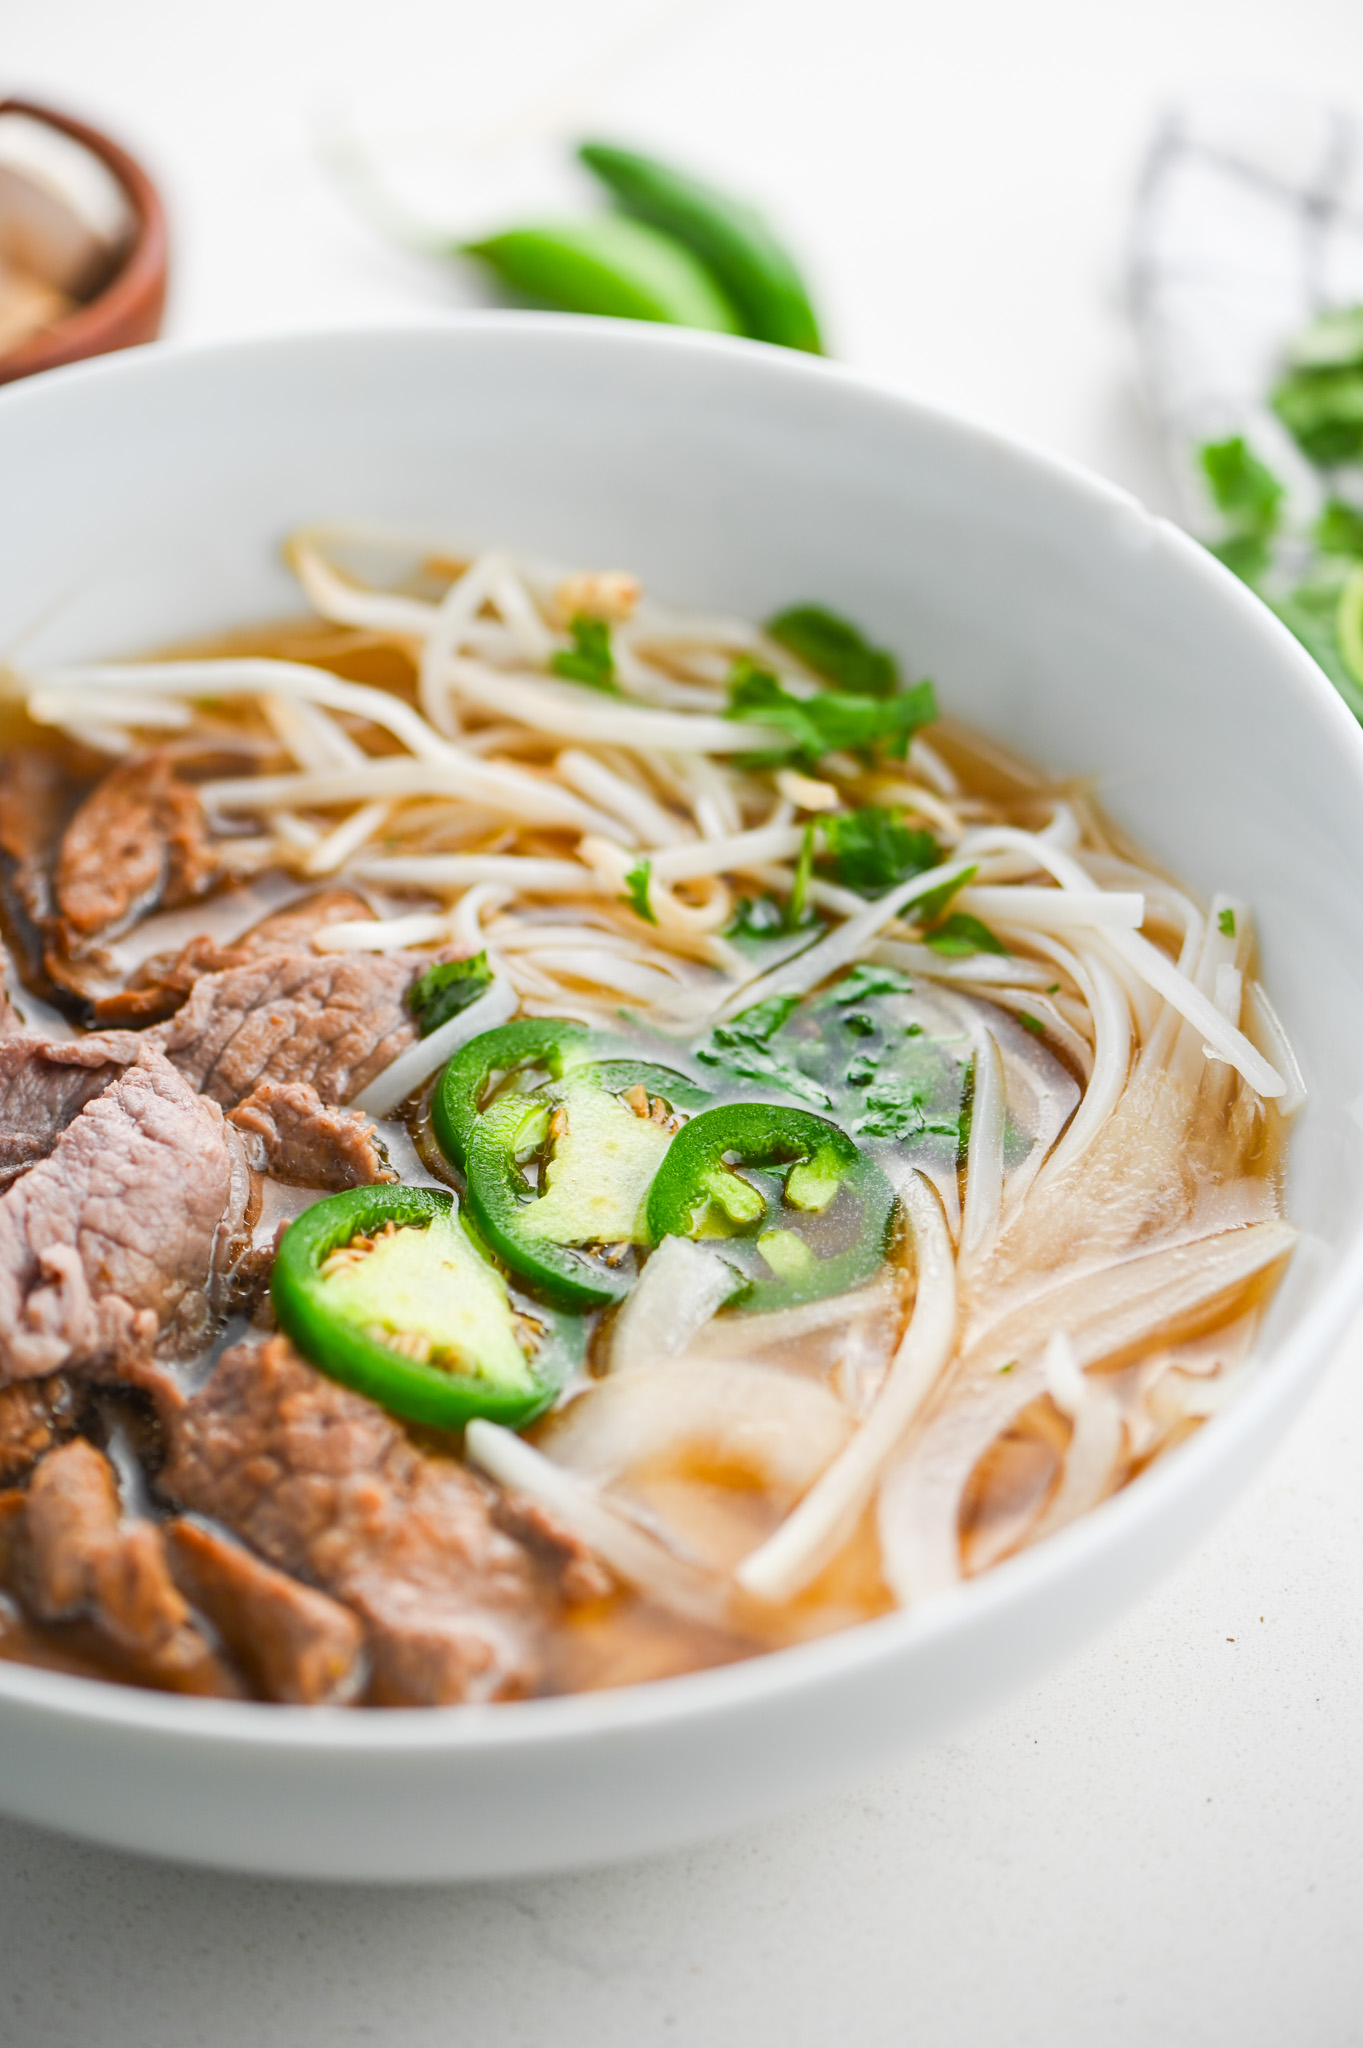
(145, 499)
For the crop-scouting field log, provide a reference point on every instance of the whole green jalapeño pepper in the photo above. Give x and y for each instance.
(384, 1289)
(811, 1217)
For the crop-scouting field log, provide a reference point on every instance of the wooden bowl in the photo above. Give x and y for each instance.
(129, 308)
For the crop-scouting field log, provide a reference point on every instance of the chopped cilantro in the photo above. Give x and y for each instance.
(636, 882)
(895, 1108)
(861, 1071)
(756, 917)
(1339, 530)
(1054, 989)
(799, 892)
(960, 934)
(859, 1024)
(1031, 1023)
(1323, 411)
(834, 649)
(589, 660)
(865, 980)
(1245, 491)
(927, 909)
(1225, 923)
(871, 849)
(828, 721)
(763, 1019)
(1009, 1367)
(446, 989)
(743, 1049)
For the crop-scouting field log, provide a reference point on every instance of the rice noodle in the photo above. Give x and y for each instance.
(404, 1075)
(790, 1559)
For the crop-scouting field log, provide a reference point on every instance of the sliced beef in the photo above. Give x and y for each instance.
(294, 1643)
(139, 839)
(34, 1415)
(328, 1487)
(45, 1082)
(111, 1247)
(76, 1560)
(292, 1135)
(163, 982)
(334, 1020)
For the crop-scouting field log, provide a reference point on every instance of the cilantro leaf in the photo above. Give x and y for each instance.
(865, 980)
(743, 1048)
(871, 849)
(928, 909)
(834, 649)
(960, 934)
(1339, 530)
(764, 1019)
(1031, 1023)
(636, 882)
(828, 721)
(1225, 923)
(756, 917)
(446, 989)
(1323, 412)
(895, 1109)
(1245, 491)
(589, 660)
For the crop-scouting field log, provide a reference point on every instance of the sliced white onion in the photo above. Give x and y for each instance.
(779, 1426)
(632, 1554)
(684, 1286)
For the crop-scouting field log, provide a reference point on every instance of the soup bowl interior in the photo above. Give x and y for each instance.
(147, 499)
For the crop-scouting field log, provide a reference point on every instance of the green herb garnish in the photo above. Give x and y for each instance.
(871, 849)
(446, 989)
(834, 649)
(828, 721)
(589, 660)
(1249, 498)
(961, 934)
(1225, 923)
(927, 909)
(1339, 530)
(636, 882)
(743, 1048)
(1031, 1023)
(865, 980)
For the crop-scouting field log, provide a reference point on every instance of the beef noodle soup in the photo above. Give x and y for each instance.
(549, 1140)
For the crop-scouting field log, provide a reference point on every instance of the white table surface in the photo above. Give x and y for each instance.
(1162, 1842)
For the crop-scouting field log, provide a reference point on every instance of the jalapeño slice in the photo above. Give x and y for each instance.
(597, 1145)
(549, 1042)
(811, 1217)
(384, 1289)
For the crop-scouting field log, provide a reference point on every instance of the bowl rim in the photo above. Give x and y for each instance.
(1301, 1352)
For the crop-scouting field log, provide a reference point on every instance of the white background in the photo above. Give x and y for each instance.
(1161, 1844)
